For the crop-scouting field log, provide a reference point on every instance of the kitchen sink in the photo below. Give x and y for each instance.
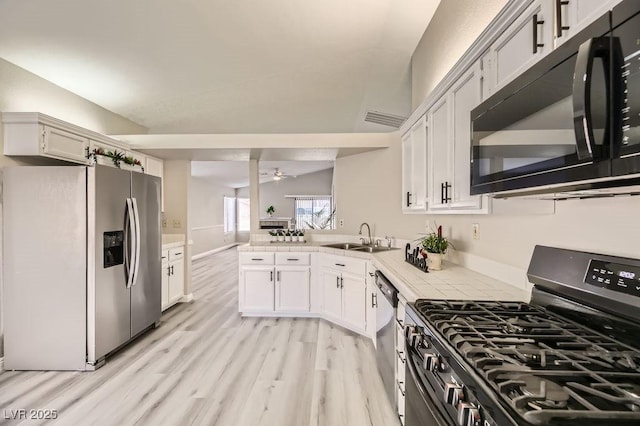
(344, 246)
(358, 247)
(373, 249)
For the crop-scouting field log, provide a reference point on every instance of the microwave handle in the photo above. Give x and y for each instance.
(583, 74)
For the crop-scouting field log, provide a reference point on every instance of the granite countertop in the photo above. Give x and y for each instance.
(452, 282)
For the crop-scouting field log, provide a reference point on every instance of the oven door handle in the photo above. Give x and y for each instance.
(582, 77)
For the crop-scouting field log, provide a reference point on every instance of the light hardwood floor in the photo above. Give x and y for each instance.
(206, 365)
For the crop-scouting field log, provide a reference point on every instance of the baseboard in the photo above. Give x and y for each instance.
(187, 298)
(214, 251)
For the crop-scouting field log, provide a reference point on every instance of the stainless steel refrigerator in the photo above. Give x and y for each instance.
(82, 264)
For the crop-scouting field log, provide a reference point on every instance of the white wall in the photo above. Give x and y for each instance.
(368, 186)
(273, 193)
(206, 215)
(22, 91)
(455, 25)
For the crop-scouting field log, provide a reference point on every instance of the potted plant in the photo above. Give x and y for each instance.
(271, 210)
(287, 236)
(274, 235)
(280, 233)
(435, 245)
(300, 236)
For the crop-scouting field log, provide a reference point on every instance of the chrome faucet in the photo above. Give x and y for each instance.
(369, 229)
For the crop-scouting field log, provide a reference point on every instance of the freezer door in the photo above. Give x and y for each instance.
(109, 298)
(146, 292)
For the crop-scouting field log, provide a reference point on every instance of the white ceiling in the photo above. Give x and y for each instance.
(235, 174)
(225, 66)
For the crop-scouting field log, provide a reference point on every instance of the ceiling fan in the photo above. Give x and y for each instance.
(277, 174)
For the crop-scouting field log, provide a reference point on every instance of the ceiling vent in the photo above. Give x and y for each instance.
(384, 119)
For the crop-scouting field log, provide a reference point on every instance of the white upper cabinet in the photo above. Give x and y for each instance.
(439, 154)
(414, 168)
(450, 147)
(574, 15)
(523, 43)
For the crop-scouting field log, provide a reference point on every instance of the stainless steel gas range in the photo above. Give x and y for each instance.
(569, 357)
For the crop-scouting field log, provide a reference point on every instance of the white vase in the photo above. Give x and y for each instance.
(435, 261)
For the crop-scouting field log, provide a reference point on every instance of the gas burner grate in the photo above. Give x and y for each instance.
(545, 367)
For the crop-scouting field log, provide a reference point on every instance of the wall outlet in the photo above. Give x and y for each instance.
(164, 223)
(341, 223)
(176, 223)
(475, 231)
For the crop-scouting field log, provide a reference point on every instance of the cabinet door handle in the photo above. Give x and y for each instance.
(400, 354)
(535, 23)
(341, 281)
(400, 323)
(178, 254)
(408, 199)
(168, 271)
(559, 27)
(278, 276)
(400, 387)
(337, 282)
(171, 269)
(271, 276)
(340, 264)
(374, 300)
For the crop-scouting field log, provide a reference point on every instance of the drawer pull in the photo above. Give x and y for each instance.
(292, 260)
(340, 264)
(400, 323)
(178, 254)
(400, 387)
(164, 257)
(256, 259)
(400, 355)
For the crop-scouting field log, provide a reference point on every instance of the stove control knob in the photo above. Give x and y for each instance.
(468, 414)
(453, 394)
(430, 362)
(413, 335)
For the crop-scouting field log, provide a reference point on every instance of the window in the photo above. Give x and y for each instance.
(314, 212)
(244, 214)
(229, 214)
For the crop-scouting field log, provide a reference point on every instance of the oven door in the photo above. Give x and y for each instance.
(422, 407)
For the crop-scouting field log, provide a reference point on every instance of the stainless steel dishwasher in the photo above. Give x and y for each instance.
(386, 302)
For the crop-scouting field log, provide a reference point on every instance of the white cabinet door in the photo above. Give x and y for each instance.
(155, 167)
(331, 295)
(65, 145)
(439, 154)
(414, 168)
(258, 286)
(524, 43)
(292, 289)
(176, 280)
(165, 283)
(465, 96)
(354, 300)
(574, 15)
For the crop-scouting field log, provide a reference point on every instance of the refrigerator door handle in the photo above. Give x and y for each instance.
(130, 242)
(136, 262)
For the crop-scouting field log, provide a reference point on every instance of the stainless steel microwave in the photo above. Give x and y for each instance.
(572, 121)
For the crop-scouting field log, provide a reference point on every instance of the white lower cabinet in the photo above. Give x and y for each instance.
(258, 288)
(344, 290)
(401, 356)
(292, 289)
(274, 283)
(172, 276)
(282, 284)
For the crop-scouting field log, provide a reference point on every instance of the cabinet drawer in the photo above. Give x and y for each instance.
(344, 264)
(165, 256)
(256, 258)
(176, 253)
(293, 258)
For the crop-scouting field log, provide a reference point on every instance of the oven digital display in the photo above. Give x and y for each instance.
(614, 276)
